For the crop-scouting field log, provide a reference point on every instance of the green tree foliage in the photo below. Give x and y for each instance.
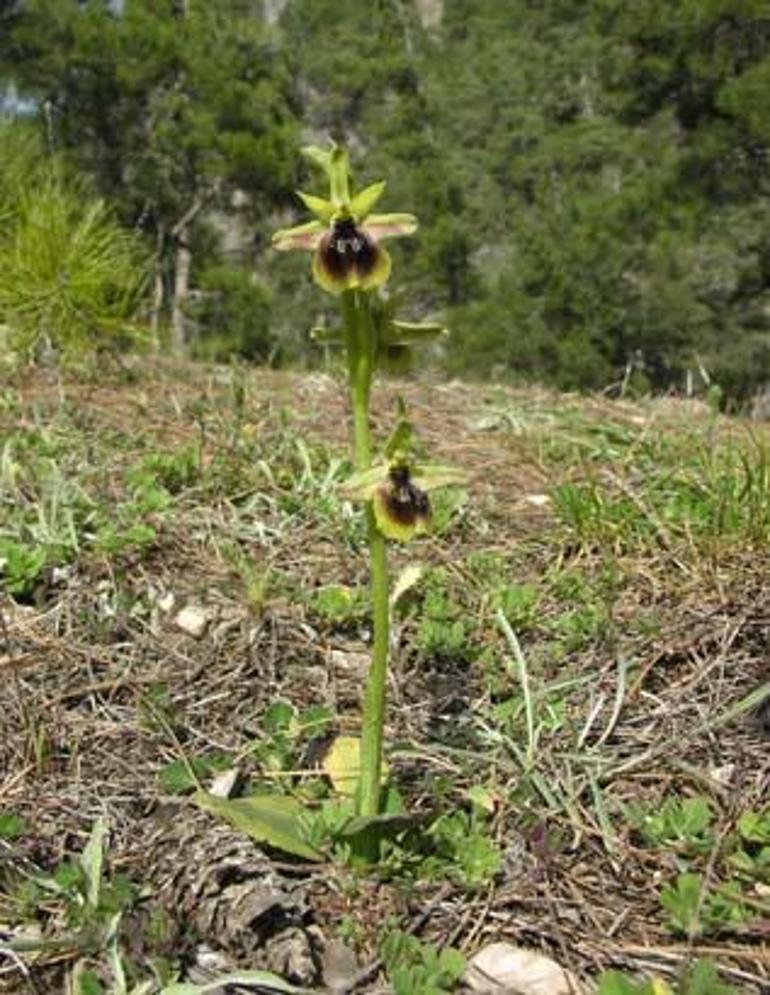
(591, 175)
(72, 276)
(591, 178)
(169, 106)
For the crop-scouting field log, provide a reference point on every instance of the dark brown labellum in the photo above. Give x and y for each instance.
(347, 249)
(405, 503)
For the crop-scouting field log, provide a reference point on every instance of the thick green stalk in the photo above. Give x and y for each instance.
(361, 349)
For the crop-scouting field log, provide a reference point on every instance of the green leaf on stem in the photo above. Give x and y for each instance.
(271, 819)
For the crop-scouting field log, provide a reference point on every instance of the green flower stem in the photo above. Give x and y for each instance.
(361, 348)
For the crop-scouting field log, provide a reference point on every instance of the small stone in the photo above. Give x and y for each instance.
(347, 663)
(338, 965)
(509, 970)
(225, 783)
(538, 500)
(291, 956)
(723, 775)
(193, 620)
(165, 602)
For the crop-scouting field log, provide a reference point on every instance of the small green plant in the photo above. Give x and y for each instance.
(414, 967)
(21, 567)
(172, 471)
(750, 858)
(91, 906)
(287, 732)
(701, 979)
(464, 849)
(337, 604)
(518, 602)
(443, 630)
(684, 825)
(11, 825)
(694, 911)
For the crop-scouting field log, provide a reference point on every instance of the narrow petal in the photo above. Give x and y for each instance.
(305, 236)
(365, 199)
(362, 486)
(322, 208)
(429, 476)
(390, 225)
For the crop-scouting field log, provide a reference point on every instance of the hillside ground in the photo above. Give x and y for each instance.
(577, 701)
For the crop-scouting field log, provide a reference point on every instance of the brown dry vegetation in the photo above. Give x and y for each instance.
(649, 635)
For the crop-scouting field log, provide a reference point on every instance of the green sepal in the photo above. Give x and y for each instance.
(334, 162)
(339, 176)
(363, 202)
(411, 332)
(400, 439)
(322, 208)
(320, 157)
(326, 336)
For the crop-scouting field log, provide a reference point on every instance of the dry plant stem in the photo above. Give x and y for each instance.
(359, 336)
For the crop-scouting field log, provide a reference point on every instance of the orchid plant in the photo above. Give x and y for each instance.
(350, 261)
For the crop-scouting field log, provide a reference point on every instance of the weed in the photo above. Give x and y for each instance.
(693, 911)
(683, 825)
(22, 567)
(338, 605)
(184, 775)
(287, 733)
(701, 979)
(89, 905)
(444, 629)
(11, 825)
(463, 849)
(413, 966)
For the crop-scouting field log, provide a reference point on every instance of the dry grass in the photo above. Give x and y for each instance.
(658, 641)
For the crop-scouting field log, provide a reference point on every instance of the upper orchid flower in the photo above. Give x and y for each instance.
(346, 236)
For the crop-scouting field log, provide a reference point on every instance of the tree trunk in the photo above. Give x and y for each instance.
(158, 289)
(182, 265)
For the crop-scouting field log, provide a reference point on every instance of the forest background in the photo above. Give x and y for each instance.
(591, 178)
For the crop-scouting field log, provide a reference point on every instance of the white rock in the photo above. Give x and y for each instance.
(503, 968)
(538, 500)
(225, 783)
(193, 620)
(166, 602)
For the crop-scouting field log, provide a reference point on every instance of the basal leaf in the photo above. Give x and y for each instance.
(261, 979)
(271, 819)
